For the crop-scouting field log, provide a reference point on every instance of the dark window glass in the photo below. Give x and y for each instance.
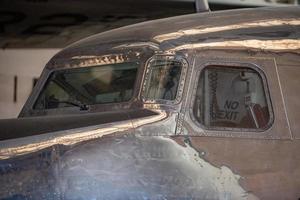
(231, 97)
(164, 79)
(90, 85)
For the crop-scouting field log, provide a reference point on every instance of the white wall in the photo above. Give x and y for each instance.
(25, 64)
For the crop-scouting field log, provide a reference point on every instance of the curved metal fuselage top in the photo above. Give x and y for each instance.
(211, 113)
(272, 30)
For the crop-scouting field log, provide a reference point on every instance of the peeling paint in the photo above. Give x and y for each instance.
(138, 167)
(224, 180)
(133, 161)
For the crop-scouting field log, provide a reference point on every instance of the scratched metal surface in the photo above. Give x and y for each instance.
(142, 157)
(121, 167)
(268, 29)
(273, 30)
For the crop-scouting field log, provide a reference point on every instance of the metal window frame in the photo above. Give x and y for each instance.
(46, 74)
(280, 129)
(182, 79)
(92, 66)
(252, 66)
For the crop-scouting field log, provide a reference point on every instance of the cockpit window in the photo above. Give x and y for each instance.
(231, 97)
(90, 85)
(164, 78)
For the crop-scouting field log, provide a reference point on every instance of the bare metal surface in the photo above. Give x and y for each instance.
(127, 166)
(159, 152)
(278, 126)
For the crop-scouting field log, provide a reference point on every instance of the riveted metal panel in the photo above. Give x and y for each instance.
(279, 129)
(290, 81)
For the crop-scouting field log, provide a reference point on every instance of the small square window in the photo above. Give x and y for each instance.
(232, 97)
(163, 79)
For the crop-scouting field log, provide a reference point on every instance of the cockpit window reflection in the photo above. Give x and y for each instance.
(87, 86)
(164, 80)
(231, 97)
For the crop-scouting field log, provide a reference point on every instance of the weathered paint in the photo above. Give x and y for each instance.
(124, 166)
(143, 158)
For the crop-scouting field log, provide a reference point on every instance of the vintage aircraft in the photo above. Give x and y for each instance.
(201, 106)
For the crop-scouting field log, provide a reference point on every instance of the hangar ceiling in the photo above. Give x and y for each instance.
(56, 23)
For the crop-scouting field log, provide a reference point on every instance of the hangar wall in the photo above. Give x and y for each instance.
(19, 70)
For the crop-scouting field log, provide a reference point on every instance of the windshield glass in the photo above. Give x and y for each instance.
(90, 85)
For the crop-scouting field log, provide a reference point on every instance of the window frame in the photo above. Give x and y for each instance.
(147, 74)
(70, 69)
(74, 109)
(252, 66)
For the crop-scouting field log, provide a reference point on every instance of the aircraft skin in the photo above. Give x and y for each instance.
(155, 149)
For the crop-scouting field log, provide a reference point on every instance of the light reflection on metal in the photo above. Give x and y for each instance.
(147, 120)
(96, 60)
(138, 44)
(129, 163)
(211, 166)
(291, 45)
(205, 30)
(14, 148)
